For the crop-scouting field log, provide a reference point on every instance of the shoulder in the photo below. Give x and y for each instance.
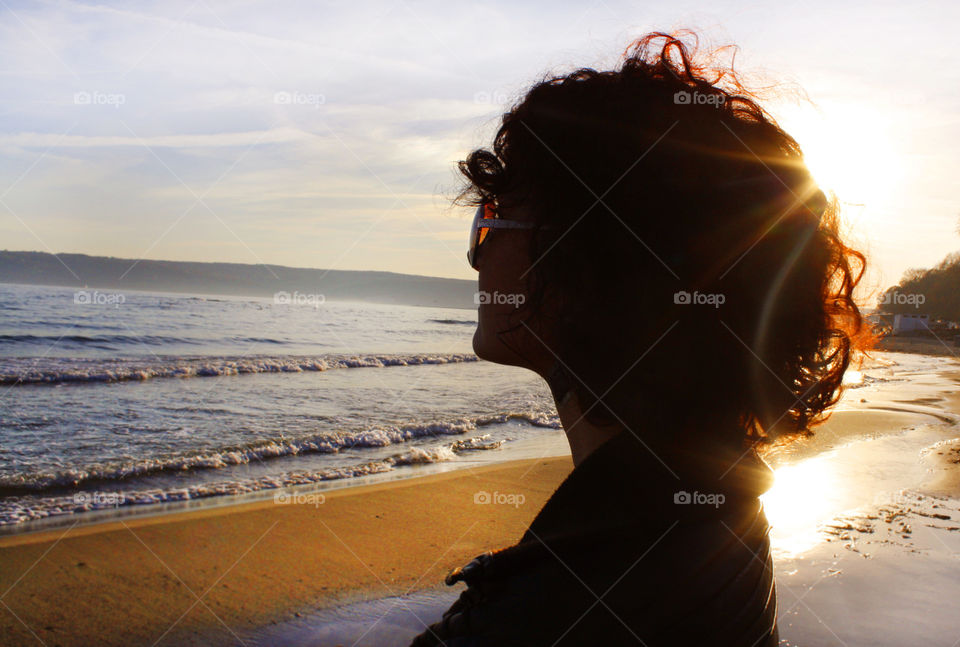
(694, 580)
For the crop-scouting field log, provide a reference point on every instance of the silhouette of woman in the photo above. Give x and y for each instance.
(677, 278)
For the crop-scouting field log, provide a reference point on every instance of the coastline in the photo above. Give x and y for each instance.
(547, 443)
(202, 577)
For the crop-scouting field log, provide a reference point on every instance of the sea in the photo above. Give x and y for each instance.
(115, 403)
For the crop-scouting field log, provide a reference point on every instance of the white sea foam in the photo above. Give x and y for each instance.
(18, 371)
(382, 436)
(20, 509)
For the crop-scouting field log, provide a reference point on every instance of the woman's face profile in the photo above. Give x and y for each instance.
(503, 262)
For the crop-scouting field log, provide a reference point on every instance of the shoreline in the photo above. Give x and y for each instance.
(945, 480)
(547, 444)
(918, 346)
(199, 577)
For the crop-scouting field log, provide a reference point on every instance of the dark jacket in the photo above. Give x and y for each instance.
(634, 548)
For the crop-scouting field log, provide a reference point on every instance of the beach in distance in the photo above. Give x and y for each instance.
(262, 492)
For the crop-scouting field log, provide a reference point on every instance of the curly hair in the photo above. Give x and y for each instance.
(700, 282)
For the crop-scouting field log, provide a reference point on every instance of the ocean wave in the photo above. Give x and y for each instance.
(20, 371)
(120, 341)
(460, 322)
(14, 510)
(150, 340)
(375, 437)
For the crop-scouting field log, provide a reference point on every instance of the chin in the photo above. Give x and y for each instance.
(480, 345)
(488, 346)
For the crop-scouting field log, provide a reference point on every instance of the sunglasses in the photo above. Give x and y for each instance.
(485, 220)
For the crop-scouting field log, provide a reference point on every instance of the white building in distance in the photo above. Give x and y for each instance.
(909, 322)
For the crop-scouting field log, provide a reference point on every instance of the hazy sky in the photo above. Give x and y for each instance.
(326, 134)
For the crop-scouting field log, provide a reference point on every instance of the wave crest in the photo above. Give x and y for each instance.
(20, 371)
(376, 437)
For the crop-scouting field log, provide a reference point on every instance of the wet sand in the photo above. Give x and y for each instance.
(870, 554)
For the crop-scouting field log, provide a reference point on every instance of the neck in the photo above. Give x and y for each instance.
(584, 437)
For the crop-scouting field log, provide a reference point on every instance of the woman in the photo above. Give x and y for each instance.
(653, 246)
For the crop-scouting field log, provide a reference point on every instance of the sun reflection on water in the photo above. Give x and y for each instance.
(852, 377)
(802, 497)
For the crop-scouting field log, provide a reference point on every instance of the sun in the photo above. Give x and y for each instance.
(849, 149)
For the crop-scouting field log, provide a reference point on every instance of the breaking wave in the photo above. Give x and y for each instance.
(19, 371)
(14, 510)
(375, 437)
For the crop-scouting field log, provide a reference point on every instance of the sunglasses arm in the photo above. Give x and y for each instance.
(498, 223)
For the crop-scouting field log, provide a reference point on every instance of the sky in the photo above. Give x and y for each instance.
(326, 135)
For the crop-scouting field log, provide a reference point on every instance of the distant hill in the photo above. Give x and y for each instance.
(236, 279)
(935, 291)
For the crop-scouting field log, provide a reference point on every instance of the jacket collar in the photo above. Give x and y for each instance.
(626, 481)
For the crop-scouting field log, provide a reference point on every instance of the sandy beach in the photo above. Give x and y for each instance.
(204, 578)
(924, 345)
(865, 516)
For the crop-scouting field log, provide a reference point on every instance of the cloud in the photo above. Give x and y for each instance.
(218, 140)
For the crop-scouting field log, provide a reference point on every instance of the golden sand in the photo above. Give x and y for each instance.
(198, 577)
